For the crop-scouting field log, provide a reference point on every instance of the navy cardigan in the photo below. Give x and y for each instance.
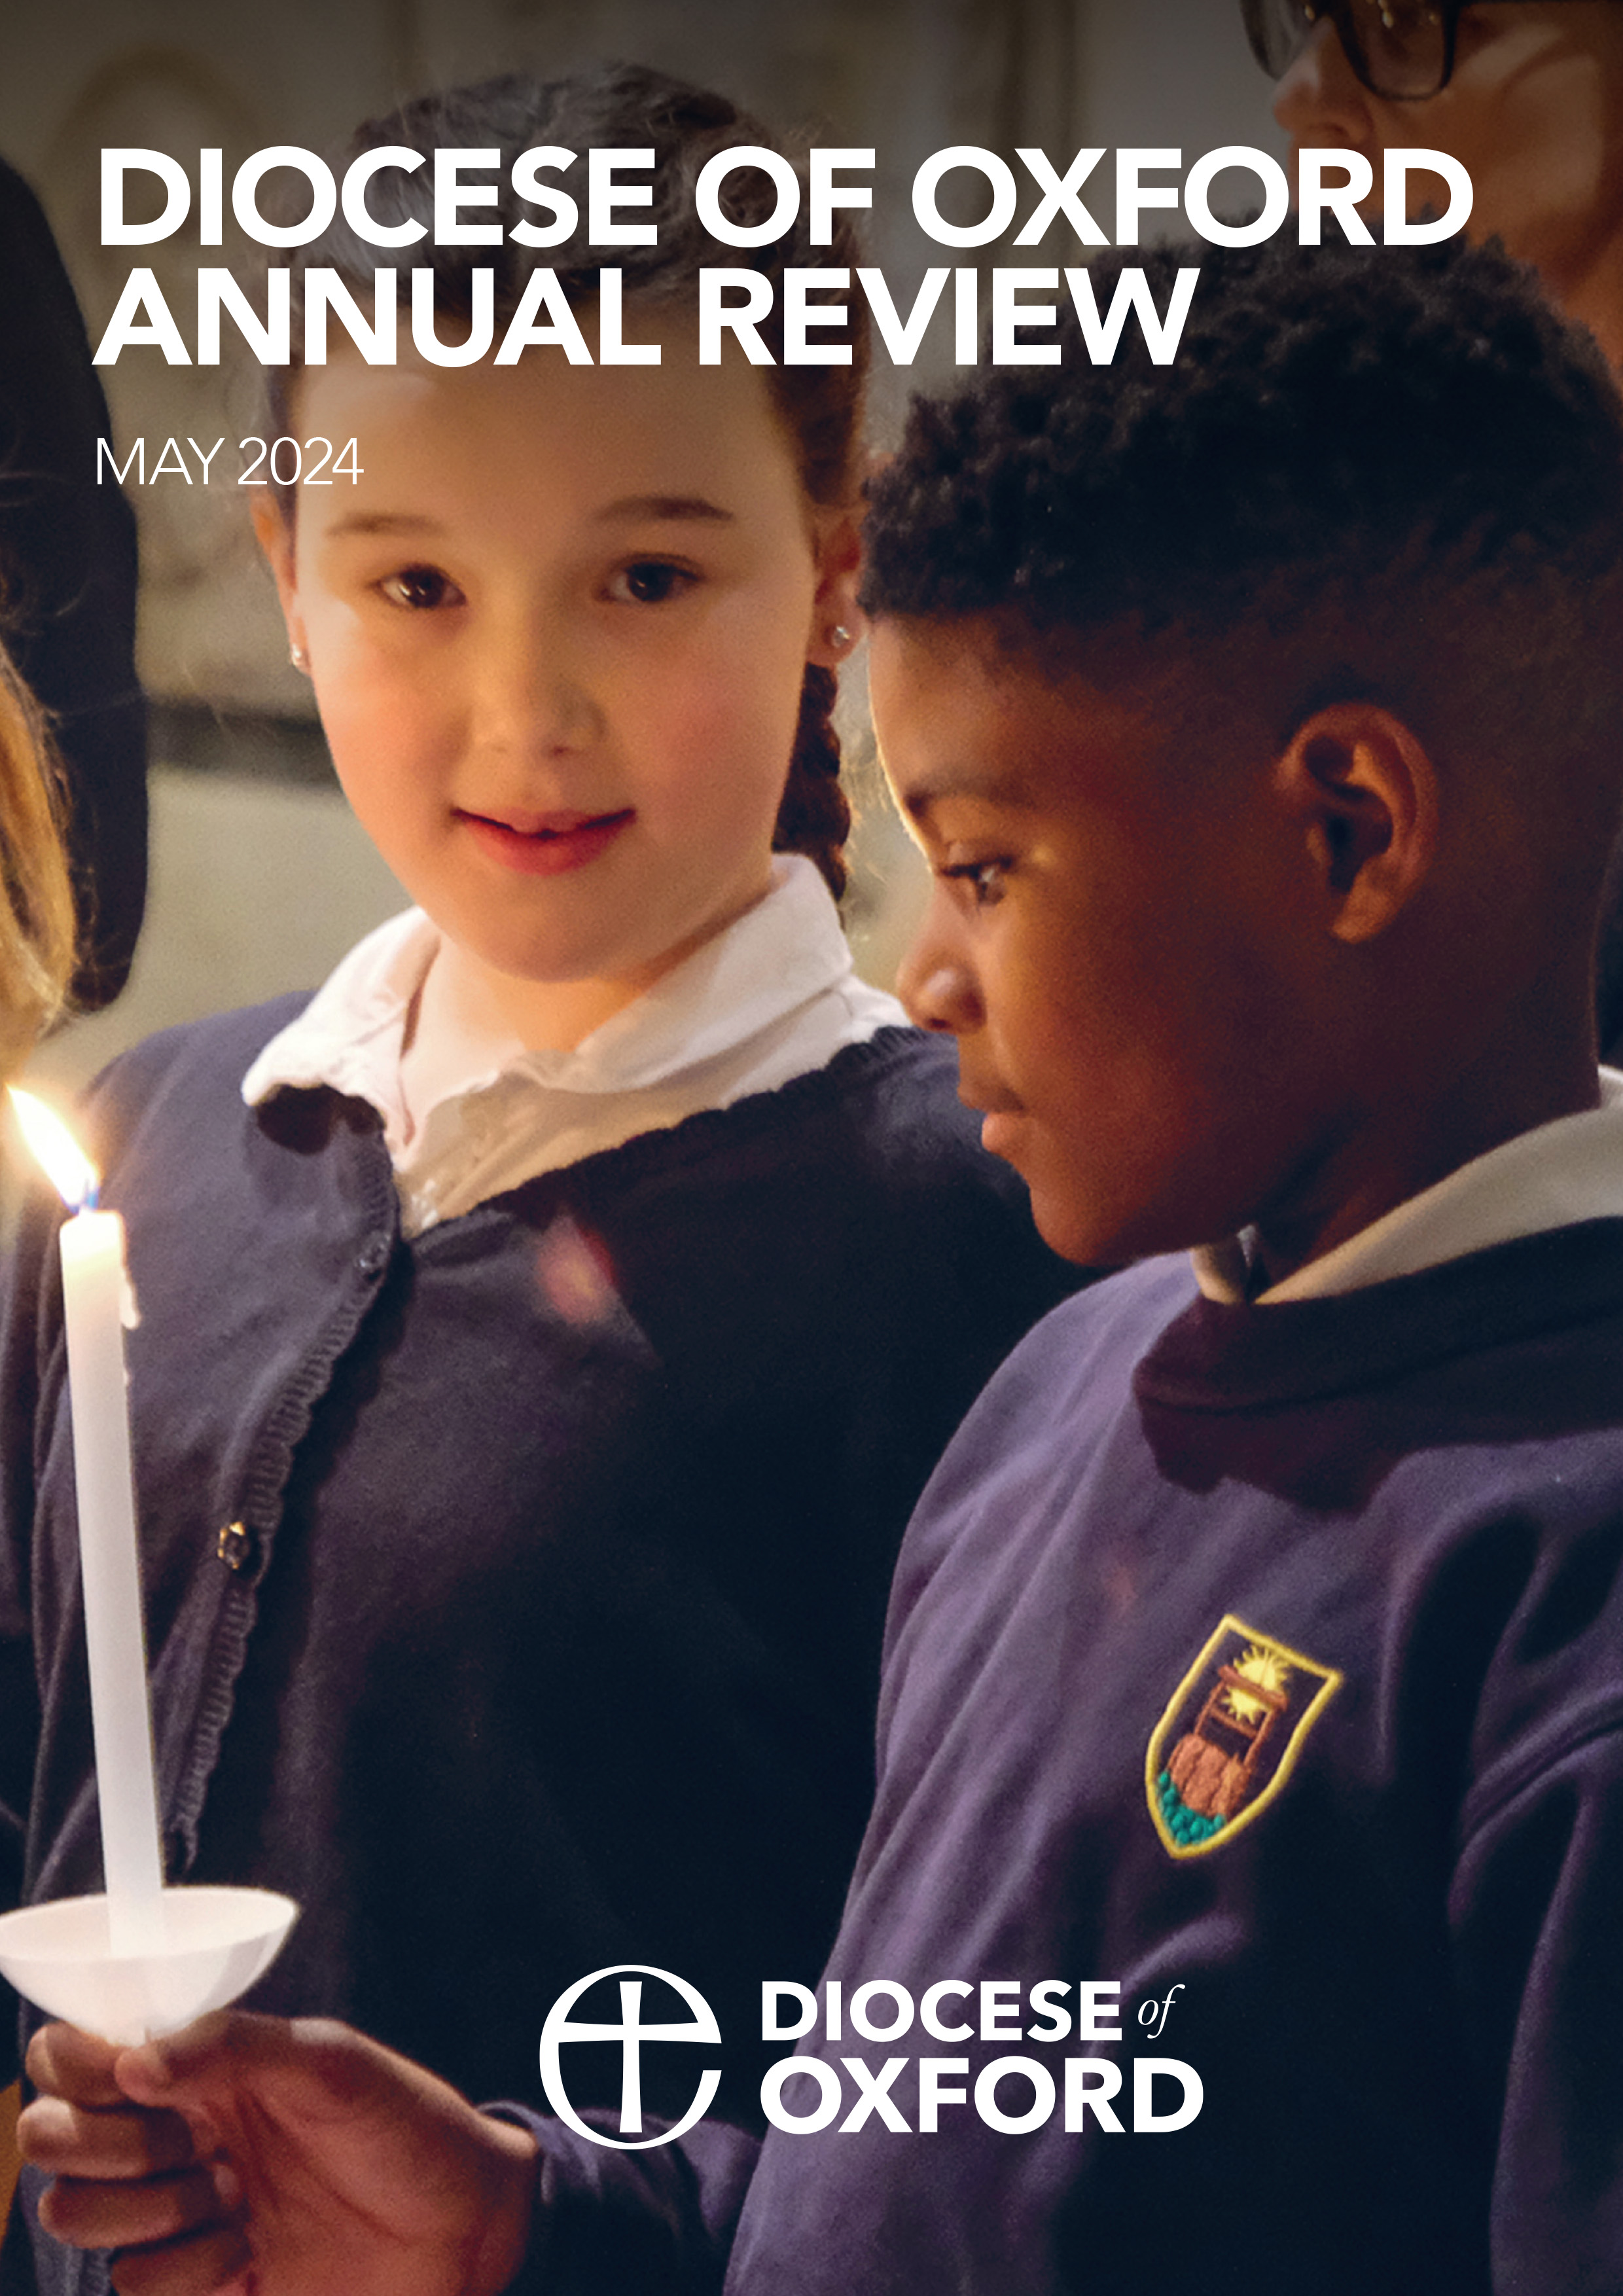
(514, 1593)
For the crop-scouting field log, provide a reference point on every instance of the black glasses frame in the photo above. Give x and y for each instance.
(1280, 29)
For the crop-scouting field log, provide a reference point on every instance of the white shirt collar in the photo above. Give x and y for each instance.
(1552, 1177)
(350, 1034)
(773, 996)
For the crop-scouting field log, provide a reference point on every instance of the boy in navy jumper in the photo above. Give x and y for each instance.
(1258, 1648)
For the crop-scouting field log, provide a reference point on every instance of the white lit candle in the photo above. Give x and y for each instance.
(95, 1294)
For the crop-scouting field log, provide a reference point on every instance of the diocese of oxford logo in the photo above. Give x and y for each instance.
(1230, 1735)
(631, 2032)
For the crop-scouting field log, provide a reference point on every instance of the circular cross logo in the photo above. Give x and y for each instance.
(630, 2033)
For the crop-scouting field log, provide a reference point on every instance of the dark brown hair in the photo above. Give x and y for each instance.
(626, 105)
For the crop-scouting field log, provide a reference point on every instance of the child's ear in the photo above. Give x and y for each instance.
(274, 536)
(836, 617)
(1364, 790)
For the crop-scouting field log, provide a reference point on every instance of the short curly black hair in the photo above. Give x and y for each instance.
(1389, 472)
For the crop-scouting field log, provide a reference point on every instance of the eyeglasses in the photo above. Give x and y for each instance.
(1400, 49)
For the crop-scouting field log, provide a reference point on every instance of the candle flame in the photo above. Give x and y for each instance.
(66, 1166)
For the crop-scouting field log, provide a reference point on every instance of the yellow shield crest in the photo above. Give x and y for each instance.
(1230, 1735)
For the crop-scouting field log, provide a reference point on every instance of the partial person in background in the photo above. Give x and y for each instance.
(68, 588)
(35, 907)
(1529, 99)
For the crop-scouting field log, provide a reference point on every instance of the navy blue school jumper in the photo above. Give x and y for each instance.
(1272, 1653)
(515, 1593)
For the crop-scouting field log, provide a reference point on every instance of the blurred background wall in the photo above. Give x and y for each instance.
(260, 878)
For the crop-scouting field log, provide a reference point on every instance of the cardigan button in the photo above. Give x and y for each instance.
(373, 1258)
(235, 1547)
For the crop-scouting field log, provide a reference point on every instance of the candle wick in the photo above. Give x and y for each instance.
(91, 1198)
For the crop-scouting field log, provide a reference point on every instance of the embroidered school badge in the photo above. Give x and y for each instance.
(1226, 1742)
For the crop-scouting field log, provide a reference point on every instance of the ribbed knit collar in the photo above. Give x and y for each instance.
(1237, 1356)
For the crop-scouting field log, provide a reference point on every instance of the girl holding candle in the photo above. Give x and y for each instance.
(546, 1330)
